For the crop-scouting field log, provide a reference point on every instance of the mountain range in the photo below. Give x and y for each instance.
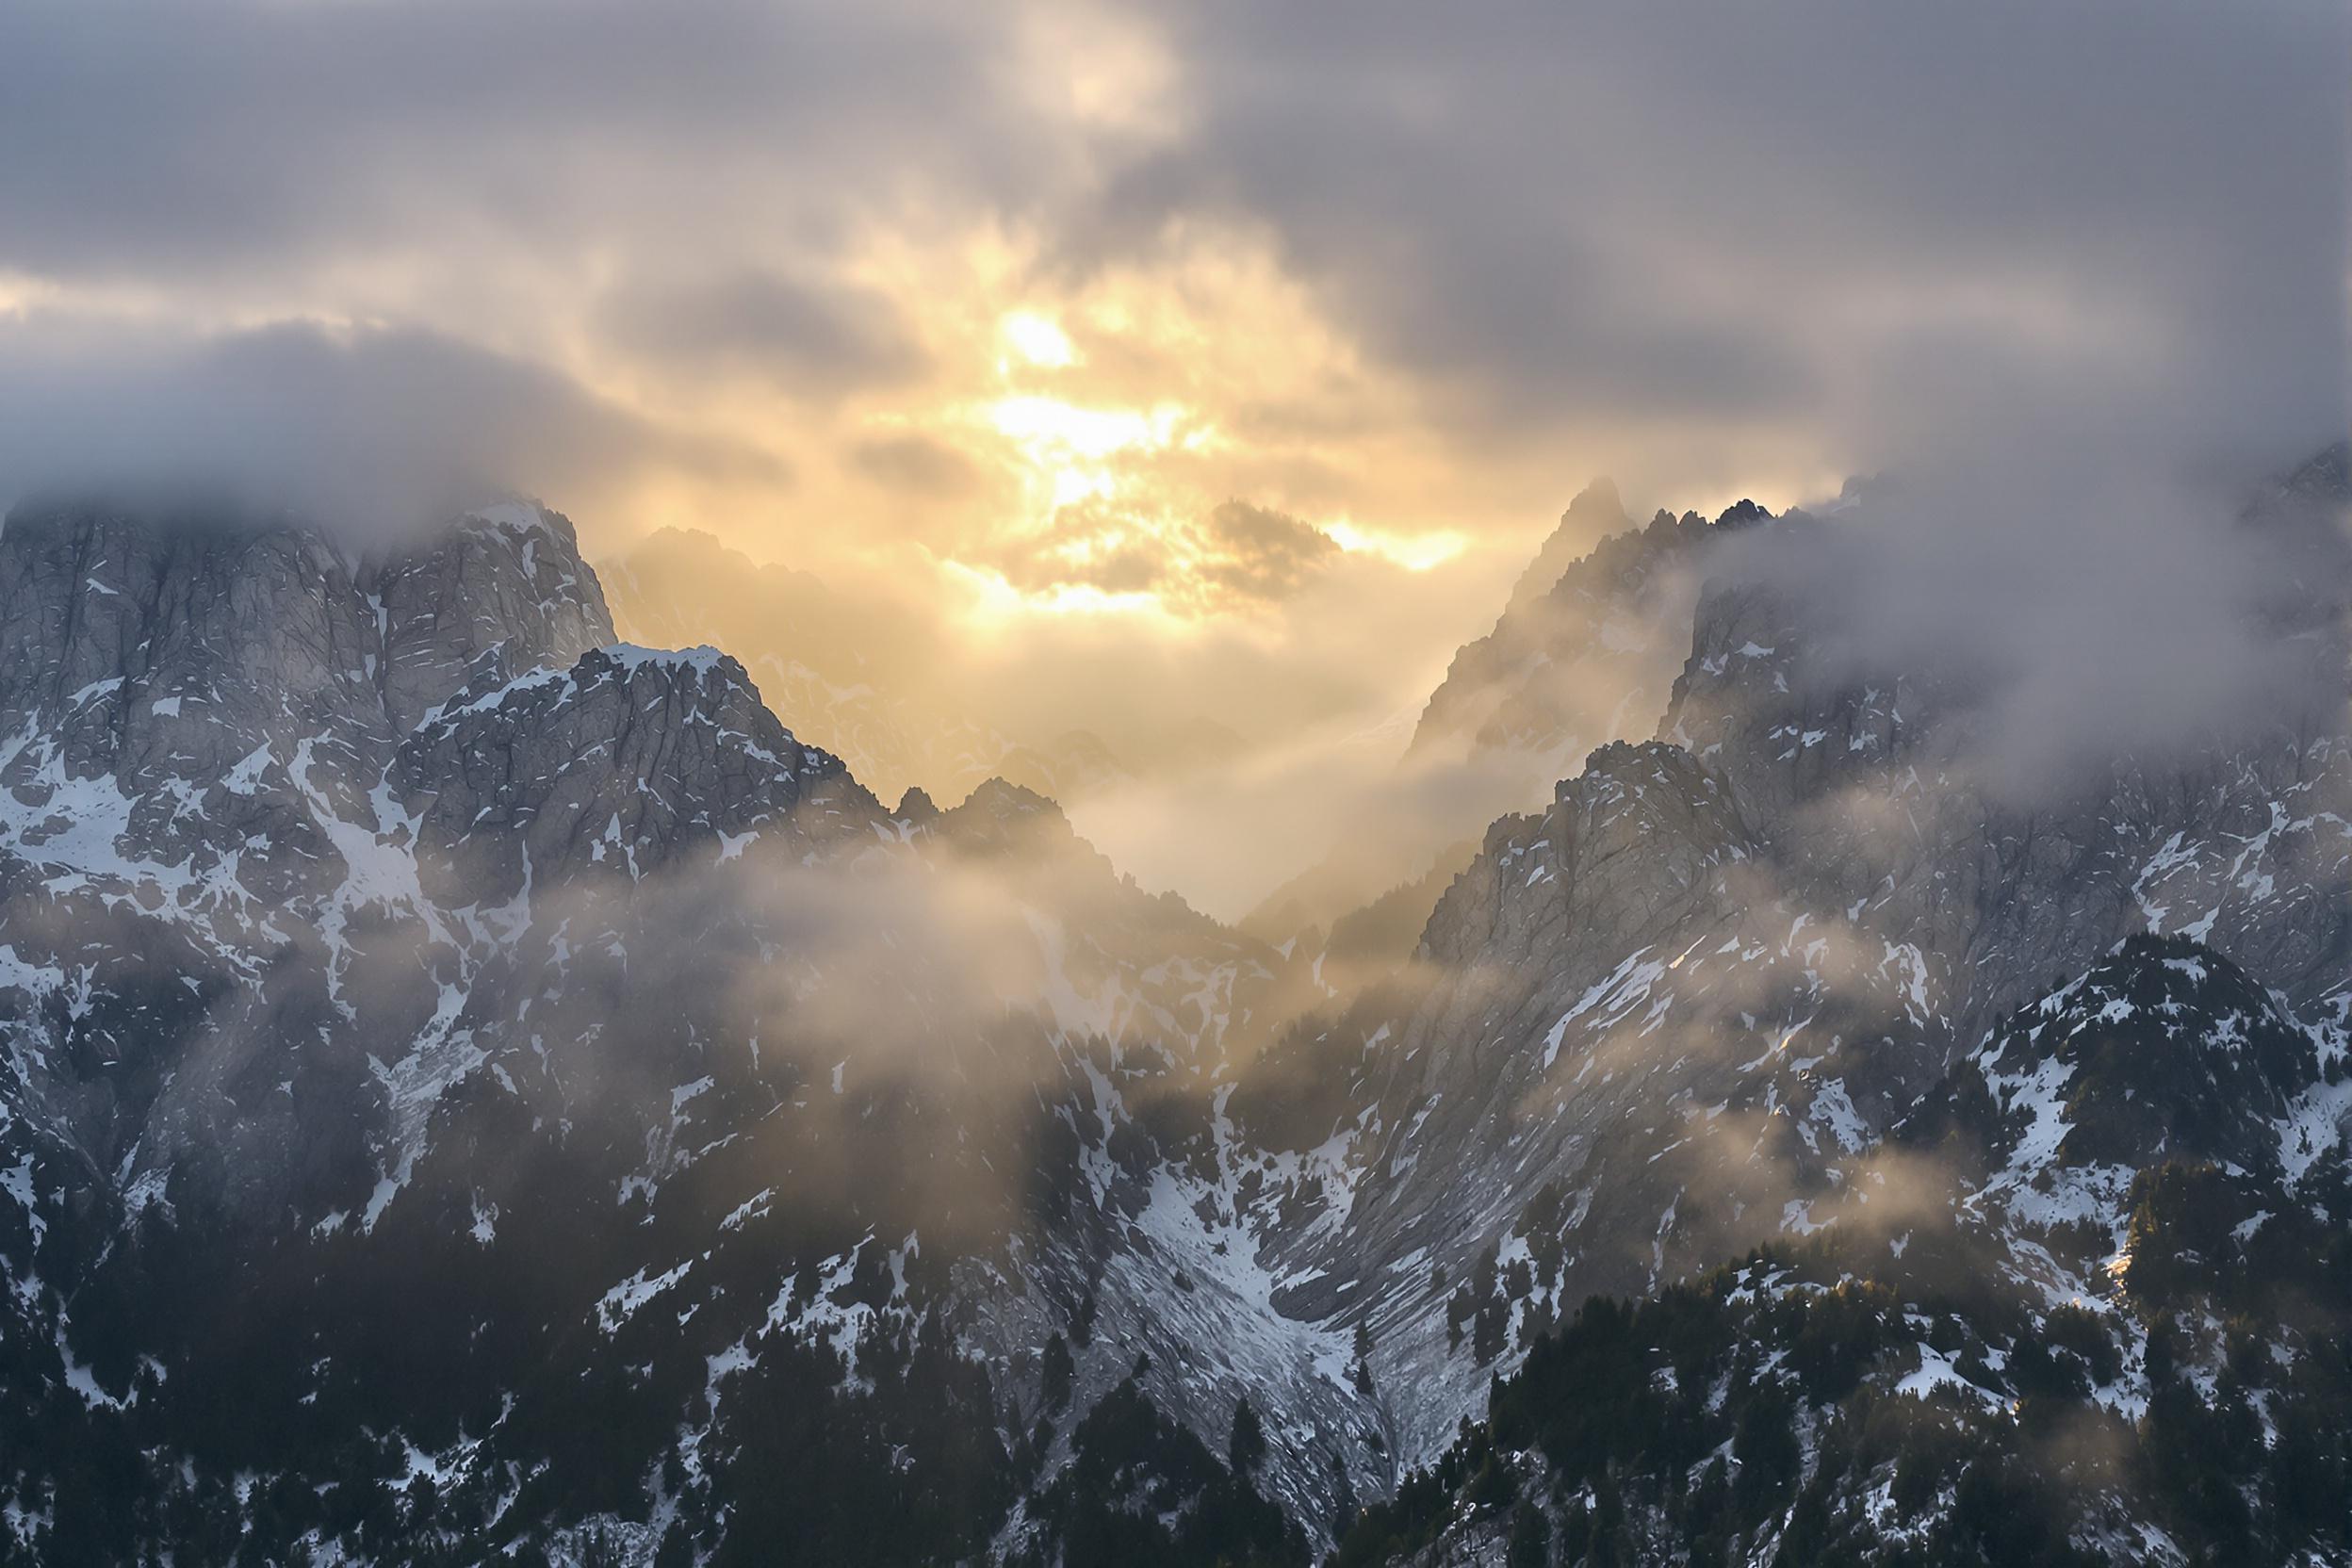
(476, 1090)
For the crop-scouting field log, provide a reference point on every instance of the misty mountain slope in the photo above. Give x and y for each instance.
(199, 713)
(2051, 1324)
(592, 1012)
(534, 1125)
(1653, 1019)
(1585, 652)
(1585, 649)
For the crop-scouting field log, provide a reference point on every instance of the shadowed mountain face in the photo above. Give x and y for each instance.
(478, 1089)
(1589, 643)
(1586, 652)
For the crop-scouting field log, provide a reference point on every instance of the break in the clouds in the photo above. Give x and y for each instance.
(1237, 556)
(1272, 336)
(1696, 245)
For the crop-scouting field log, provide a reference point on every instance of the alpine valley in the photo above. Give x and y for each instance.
(474, 1089)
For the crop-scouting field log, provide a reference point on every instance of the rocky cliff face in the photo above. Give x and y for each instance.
(199, 712)
(1653, 1021)
(1585, 653)
(2084, 1306)
(1594, 633)
(623, 763)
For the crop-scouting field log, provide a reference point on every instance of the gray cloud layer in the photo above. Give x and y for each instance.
(1857, 222)
(1876, 218)
(2094, 250)
(200, 138)
(368, 430)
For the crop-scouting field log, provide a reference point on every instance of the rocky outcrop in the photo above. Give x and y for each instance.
(202, 690)
(2164, 1051)
(621, 763)
(1657, 1018)
(508, 589)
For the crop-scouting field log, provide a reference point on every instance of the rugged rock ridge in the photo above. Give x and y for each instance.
(745, 1128)
(2083, 1308)
(208, 844)
(199, 709)
(1585, 653)
(2162, 1050)
(1873, 790)
(188, 661)
(620, 761)
(1656, 1020)
(590, 987)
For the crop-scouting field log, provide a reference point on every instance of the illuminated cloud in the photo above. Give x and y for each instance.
(1237, 556)
(912, 463)
(1260, 553)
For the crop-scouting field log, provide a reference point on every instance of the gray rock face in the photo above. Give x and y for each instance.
(1873, 793)
(1585, 653)
(620, 762)
(196, 710)
(2162, 1050)
(416, 900)
(511, 587)
(229, 681)
(201, 710)
(2130, 1192)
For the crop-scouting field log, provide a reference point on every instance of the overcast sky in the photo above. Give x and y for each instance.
(1160, 334)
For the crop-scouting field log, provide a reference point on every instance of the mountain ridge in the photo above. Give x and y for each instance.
(616, 1103)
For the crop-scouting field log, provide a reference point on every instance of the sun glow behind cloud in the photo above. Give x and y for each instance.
(1156, 442)
(1115, 337)
(1038, 340)
(1415, 552)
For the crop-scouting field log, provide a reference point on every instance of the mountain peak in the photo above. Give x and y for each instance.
(1599, 502)
(1596, 514)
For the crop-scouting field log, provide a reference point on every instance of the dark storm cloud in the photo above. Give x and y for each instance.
(1854, 222)
(1872, 219)
(368, 431)
(1844, 234)
(809, 337)
(176, 138)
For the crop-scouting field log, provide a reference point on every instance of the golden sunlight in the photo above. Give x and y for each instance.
(1038, 340)
(1415, 552)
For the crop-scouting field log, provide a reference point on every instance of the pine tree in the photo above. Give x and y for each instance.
(1059, 1373)
(1247, 1449)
